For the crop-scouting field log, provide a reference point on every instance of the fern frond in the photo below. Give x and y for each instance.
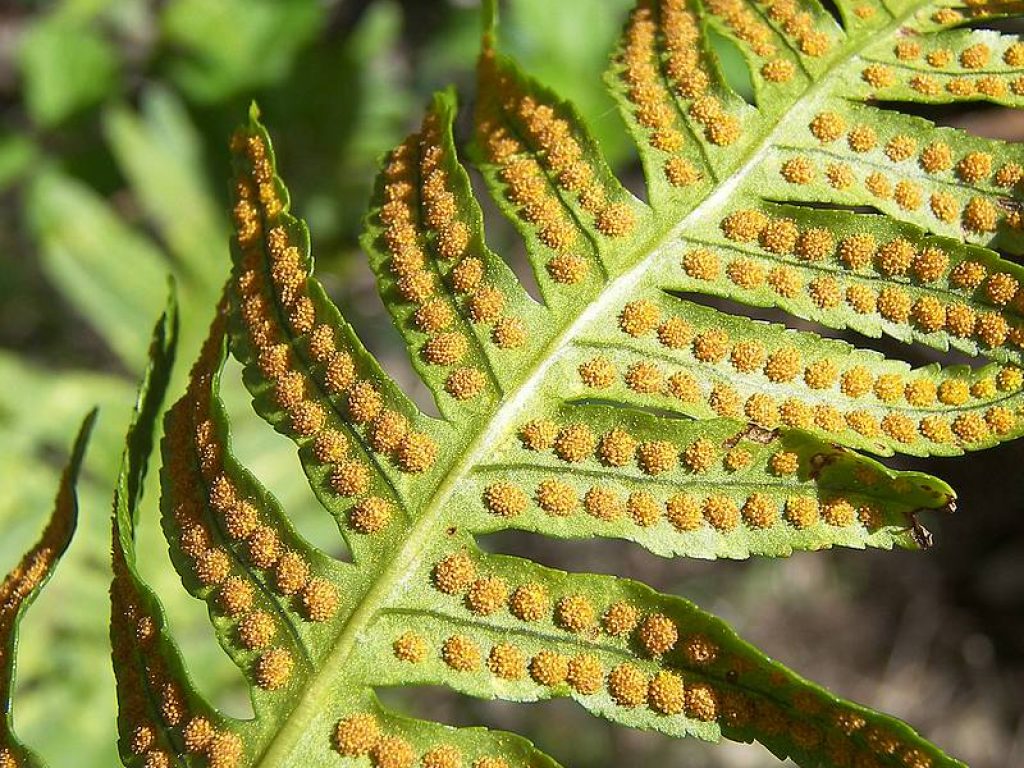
(615, 406)
(21, 586)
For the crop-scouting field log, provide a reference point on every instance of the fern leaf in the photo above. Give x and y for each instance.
(21, 586)
(615, 406)
(508, 628)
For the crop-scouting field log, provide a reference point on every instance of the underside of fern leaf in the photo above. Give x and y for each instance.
(614, 407)
(22, 585)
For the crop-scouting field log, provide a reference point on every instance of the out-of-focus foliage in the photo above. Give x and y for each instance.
(112, 157)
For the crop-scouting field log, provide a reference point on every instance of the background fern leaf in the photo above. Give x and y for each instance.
(21, 586)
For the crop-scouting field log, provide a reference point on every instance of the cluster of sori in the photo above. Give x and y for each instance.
(162, 723)
(428, 238)
(545, 165)
(794, 380)
(787, 21)
(937, 173)
(361, 734)
(955, 65)
(17, 586)
(793, 501)
(926, 289)
(640, 659)
(229, 535)
(314, 378)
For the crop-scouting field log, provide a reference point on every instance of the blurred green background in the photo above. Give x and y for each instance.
(114, 116)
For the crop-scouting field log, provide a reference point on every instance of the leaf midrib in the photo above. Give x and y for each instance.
(405, 558)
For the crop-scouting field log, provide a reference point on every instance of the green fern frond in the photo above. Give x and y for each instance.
(21, 586)
(612, 407)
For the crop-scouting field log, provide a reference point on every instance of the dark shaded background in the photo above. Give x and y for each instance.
(113, 120)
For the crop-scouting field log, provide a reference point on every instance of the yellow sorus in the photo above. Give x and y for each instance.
(929, 314)
(370, 515)
(675, 333)
(974, 167)
(746, 273)
(821, 374)
(778, 71)
(356, 735)
(620, 619)
(538, 435)
(840, 175)
(863, 423)
(827, 126)
(838, 512)
(616, 448)
(627, 685)
(801, 511)
(980, 216)
(645, 378)
(567, 269)
(798, 170)
(744, 226)
(862, 138)
(585, 674)
(825, 292)
(392, 752)
(657, 634)
(779, 236)
(944, 206)
(856, 381)
(461, 653)
(684, 387)
(721, 512)
(759, 511)
(442, 756)
(505, 499)
(711, 346)
(665, 693)
(1001, 288)
(783, 365)
(575, 613)
(740, 458)
(701, 264)
(930, 264)
(603, 503)
(574, 443)
(701, 702)
(453, 574)
(642, 509)
(786, 281)
(970, 428)
(639, 318)
(486, 596)
(900, 148)
(975, 56)
(878, 76)
(549, 668)
(410, 647)
(274, 668)
(530, 602)
(899, 427)
(936, 157)
(556, 497)
(682, 510)
(960, 320)
(700, 456)
(507, 661)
